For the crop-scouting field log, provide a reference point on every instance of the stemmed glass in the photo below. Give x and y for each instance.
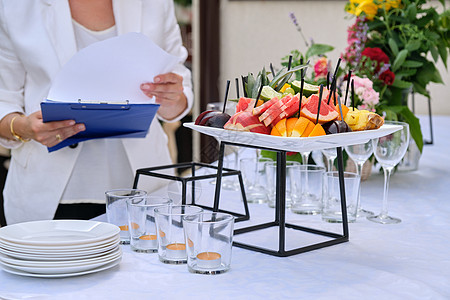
(389, 150)
(330, 154)
(360, 154)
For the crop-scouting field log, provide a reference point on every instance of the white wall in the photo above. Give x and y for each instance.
(257, 33)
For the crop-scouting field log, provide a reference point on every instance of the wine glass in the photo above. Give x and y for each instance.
(360, 154)
(389, 150)
(330, 154)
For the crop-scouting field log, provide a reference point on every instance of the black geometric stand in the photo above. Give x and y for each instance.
(280, 209)
(155, 172)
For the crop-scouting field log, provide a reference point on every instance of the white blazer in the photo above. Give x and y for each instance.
(36, 39)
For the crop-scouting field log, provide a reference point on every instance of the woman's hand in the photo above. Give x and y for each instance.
(48, 134)
(168, 92)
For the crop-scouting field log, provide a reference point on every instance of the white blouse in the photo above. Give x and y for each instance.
(97, 155)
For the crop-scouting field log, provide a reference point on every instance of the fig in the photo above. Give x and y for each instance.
(218, 120)
(333, 127)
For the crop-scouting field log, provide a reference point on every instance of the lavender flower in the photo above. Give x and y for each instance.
(299, 29)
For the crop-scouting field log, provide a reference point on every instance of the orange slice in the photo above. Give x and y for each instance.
(309, 128)
(275, 131)
(317, 131)
(300, 126)
(290, 125)
(281, 127)
(344, 111)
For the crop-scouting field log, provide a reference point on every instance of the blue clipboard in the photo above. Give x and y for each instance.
(102, 119)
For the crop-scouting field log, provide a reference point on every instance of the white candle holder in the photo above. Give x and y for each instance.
(141, 222)
(169, 225)
(210, 239)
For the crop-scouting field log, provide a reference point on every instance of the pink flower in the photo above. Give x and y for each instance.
(321, 67)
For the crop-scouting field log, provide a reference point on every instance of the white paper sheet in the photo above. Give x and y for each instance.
(112, 70)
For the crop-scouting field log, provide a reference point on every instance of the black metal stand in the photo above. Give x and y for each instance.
(280, 209)
(154, 172)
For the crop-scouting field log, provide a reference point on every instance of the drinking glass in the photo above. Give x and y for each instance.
(141, 222)
(389, 150)
(209, 239)
(360, 154)
(330, 154)
(169, 231)
(116, 209)
(254, 176)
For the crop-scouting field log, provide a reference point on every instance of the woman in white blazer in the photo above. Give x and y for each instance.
(36, 39)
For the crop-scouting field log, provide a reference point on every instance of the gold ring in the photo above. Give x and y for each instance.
(58, 137)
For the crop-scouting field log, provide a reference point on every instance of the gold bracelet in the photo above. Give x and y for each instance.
(18, 137)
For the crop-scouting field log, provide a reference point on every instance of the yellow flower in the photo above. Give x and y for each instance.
(368, 7)
(388, 4)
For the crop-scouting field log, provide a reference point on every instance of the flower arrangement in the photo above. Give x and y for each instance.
(390, 43)
(365, 96)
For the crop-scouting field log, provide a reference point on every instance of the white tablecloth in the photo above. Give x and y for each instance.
(410, 260)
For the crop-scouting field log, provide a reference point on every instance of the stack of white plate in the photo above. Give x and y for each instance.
(59, 248)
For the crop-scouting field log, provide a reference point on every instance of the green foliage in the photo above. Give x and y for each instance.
(409, 34)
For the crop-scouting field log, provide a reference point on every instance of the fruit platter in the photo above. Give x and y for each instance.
(299, 144)
(291, 116)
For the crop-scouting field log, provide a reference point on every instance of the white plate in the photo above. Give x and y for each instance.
(65, 263)
(58, 232)
(60, 270)
(295, 144)
(22, 273)
(54, 257)
(61, 250)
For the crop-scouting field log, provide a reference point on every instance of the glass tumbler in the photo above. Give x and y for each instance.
(209, 239)
(116, 209)
(169, 229)
(141, 222)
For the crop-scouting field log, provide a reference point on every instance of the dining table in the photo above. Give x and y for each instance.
(409, 260)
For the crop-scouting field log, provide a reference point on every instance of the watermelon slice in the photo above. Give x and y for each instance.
(327, 112)
(245, 104)
(274, 110)
(262, 108)
(246, 121)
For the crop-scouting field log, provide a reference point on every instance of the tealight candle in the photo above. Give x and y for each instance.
(208, 260)
(149, 241)
(176, 251)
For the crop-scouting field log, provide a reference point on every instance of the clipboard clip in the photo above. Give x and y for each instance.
(95, 105)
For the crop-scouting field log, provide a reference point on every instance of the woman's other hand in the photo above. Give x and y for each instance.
(168, 91)
(48, 134)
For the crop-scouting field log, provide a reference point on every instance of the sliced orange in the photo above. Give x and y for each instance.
(317, 130)
(281, 127)
(290, 125)
(309, 128)
(275, 131)
(344, 111)
(300, 126)
(260, 102)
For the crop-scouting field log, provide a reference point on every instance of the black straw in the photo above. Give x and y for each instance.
(259, 94)
(331, 91)
(271, 69)
(349, 76)
(243, 86)
(353, 94)
(237, 87)
(302, 72)
(320, 101)
(290, 62)
(337, 67)
(328, 80)
(226, 96)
